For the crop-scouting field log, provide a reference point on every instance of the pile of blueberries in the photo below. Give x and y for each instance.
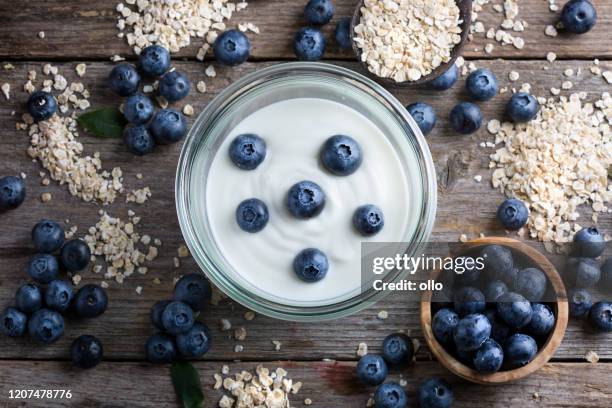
(341, 155)
(398, 351)
(147, 127)
(39, 311)
(179, 333)
(309, 43)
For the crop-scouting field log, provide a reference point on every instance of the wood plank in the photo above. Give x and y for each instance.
(76, 29)
(464, 207)
(325, 383)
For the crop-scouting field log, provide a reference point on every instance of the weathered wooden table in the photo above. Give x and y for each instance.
(321, 355)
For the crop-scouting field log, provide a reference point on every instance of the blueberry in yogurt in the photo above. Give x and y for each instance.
(174, 86)
(48, 236)
(522, 107)
(252, 215)
(154, 61)
(41, 105)
(578, 16)
(12, 192)
(319, 12)
(482, 85)
(305, 199)
(232, 48)
(247, 151)
(513, 214)
(124, 79)
(466, 118)
(368, 220)
(424, 115)
(311, 265)
(446, 80)
(138, 109)
(341, 155)
(168, 126)
(309, 44)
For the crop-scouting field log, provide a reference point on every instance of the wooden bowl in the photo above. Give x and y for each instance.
(560, 310)
(465, 14)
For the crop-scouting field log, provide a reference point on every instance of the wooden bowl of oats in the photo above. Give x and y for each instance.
(432, 39)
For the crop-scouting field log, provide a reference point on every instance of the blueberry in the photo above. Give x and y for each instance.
(311, 265)
(513, 214)
(46, 326)
(498, 262)
(48, 236)
(343, 33)
(469, 300)
(86, 351)
(435, 393)
(252, 215)
(465, 357)
(446, 80)
(319, 12)
(531, 283)
(466, 118)
(75, 255)
(43, 268)
(499, 330)
(309, 44)
(177, 318)
(138, 109)
(469, 277)
(305, 199)
(471, 332)
(41, 105)
(90, 301)
(494, 290)
(424, 115)
(156, 313)
(514, 310)
(542, 320)
(443, 325)
(578, 16)
(606, 274)
(160, 349)
(154, 61)
(247, 151)
(390, 395)
(193, 289)
(600, 316)
(124, 80)
(58, 295)
(519, 350)
(580, 302)
(232, 48)
(29, 298)
(138, 140)
(168, 126)
(583, 272)
(174, 86)
(397, 349)
(368, 220)
(13, 322)
(481, 84)
(12, 192)
(341, 155)
(522, 107)
(589, 243)
(372, 369)
(489, 357)
(195, 342)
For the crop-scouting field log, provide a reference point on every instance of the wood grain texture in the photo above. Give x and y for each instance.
(327, 384)
(465, 206)
(75, 29)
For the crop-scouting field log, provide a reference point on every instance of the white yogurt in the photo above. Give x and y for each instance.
(294, 131)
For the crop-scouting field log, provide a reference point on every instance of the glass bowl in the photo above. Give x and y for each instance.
(262, 88)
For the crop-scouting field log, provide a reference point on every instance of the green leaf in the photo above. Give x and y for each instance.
(187, 384)
(105, 122)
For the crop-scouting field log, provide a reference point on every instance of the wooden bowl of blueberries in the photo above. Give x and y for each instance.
(507, 316)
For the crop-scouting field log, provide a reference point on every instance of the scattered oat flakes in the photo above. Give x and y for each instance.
(240, 333)
(277, 345)
(550, 31)
(41, 35)
(383, 314)
(210, 71)
(81, 69)
(6, 90)
(478, 178)
(139, 290)
(183, 251)
(138, 196)
(551, 56)
(607, 76)
(362, 349)
(307, 401)
(45, 197)
(514, 76)
(591, 357)
(225, 325)
(201, 87)
(188, 110)
(238, 348)
(463, 238)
